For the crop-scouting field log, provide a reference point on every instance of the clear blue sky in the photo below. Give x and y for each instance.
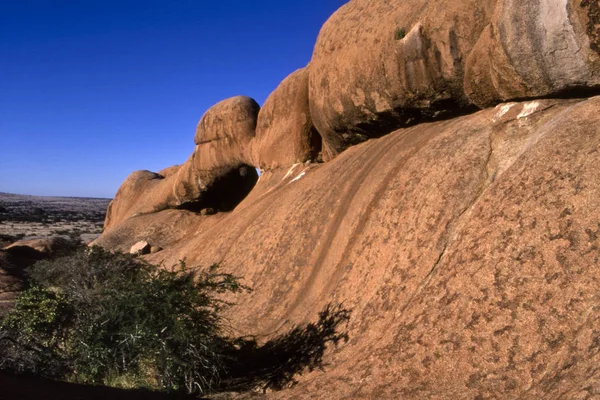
(91, 90)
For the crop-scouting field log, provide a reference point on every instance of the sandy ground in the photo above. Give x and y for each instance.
(24, 216)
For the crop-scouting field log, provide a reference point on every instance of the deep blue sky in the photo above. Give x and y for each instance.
(91, 90)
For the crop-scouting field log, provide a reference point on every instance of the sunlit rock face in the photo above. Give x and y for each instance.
(466, 241)
(471, 242)
(380, 65)
(217, 174)
(285, 134)
(535, 49)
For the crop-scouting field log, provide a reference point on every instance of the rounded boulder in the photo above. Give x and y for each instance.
(381, 65)
(285, 134)
(224, 134)
(544, 48)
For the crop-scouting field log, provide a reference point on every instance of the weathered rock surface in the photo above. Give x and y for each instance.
(380, 65)
(285, 134)
(11, 279)
(41, 248)
(164, 229)
(215, 172)
(224, 134)
(535, 49)
(467, 249)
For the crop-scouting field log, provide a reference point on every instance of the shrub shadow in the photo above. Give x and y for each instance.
(274, 364)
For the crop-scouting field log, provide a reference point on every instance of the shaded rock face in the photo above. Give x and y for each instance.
(285, 134)
(15, 258)
(593, 23)
(217, 174)
(467, 250)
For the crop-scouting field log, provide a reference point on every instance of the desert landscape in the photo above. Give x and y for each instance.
(28, 217)
(430, 175)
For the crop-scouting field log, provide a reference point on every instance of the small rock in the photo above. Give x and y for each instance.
(155, 249)
(140, 248)
(208, 211)
(40, 248)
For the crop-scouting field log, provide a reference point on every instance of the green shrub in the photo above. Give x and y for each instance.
(399, 34)
(101, 318)
(109, 316)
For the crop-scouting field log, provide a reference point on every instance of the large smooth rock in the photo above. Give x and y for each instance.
(224, 134)
(535, 49)
(467, 249)
(285, 134)
(215, 175)
(379, 65)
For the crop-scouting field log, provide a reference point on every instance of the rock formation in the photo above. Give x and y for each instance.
(15, 258)
(534, 49)
(285, 134)
(38, 249)
(466, 247)
(11, 280)
(381, 65)
(224, 133)
(215, 176)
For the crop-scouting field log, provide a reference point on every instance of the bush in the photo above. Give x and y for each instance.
(111, 319)
(101, 318)
(399, 33)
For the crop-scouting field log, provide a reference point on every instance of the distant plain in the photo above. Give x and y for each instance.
(25, 217)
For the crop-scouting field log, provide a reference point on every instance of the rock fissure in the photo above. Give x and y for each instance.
(454, 224)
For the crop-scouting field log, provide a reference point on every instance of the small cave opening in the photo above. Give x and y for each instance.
(226, 192)
(315, 143)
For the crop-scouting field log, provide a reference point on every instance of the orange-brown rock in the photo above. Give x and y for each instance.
(40, 248)
(285, 134)
(224, 134)
(535, 49)
(163, 228)
(169, 171)
(467, 249)
(11, 279)
(213, 174)
(380, 65)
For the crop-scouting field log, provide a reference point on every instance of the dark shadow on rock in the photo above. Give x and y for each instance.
(274, 364)
(26, 388)
(226, 192)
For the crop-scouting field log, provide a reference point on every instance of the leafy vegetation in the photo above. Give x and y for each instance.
(102, 318)
(399, 34)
